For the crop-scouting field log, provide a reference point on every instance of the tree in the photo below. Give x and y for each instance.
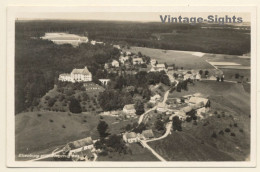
(176, 124)
(74, 106)
(201, 72)
(178, 87)
(140, 128)
(128, 127)
(116, 143)
(165, 80)
(206, 72)
(159, 125)
(102, 129)
(139, 107)
(237, 75)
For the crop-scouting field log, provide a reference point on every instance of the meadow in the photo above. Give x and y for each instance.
(185, 59)
(230, 109)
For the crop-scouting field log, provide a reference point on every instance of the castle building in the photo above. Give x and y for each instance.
(77, 75)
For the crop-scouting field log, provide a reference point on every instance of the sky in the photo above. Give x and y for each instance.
(124, 16)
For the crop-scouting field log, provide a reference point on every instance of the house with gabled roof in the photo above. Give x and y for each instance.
(78, 146)
(84, 155)
(148, 134)
(199, 100)
(77, 75)
(130, 137)
(129, 109)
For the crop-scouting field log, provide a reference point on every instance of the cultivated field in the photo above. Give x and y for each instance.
(217, 58)
(185, 59)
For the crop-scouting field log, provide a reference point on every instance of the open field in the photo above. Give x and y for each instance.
(138, 154)
(42, 132)
(185, 59)
(230, 107)
(230, 74)
(217, 58)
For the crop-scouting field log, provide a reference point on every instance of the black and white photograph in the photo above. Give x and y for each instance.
(151, 87)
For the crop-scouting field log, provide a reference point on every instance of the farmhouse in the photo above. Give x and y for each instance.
(131, 137)
(115, 63)
(138, 61)
(78, 146)
(153, 62)
(77, 75)
(199, 100)
(148, 134)
(65, 38)
(84, 155)
(155, 98)
(158, 68)
(117, 46)
(129, 109)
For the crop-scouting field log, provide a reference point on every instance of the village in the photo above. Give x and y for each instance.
(185, 108)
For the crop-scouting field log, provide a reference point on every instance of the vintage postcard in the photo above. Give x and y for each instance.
(131, 87)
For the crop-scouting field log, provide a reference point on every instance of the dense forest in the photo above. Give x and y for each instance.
(200, 37)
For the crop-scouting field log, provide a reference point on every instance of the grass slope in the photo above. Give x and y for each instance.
(195, 142)
(138, 154)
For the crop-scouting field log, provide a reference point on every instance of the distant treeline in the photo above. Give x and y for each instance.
(224, 40)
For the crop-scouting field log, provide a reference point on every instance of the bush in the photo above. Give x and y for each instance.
(47, 97)
(241, 130)
(39, 115)
(188, 119)
(235, 125)
(63, 126)
(233, 134)
(51, 120)
(214, 135)
(221, 132)
(219, 116)
(74, 106)
(227, 130)
(206, 123)
(51, 102)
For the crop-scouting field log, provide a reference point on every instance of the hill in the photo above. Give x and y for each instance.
(224, 135)
(44, 131)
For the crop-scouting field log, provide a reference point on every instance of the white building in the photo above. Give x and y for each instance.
(138, 61)
(198, 100)
(155, 98)
(77, 75)
(122, 59)
(131, 137)
(78, 146)
(128, 53)
(153, 62)
(104, 81)
(117, 46)
(129, 109)
(65, 38)
(158, 68)
(115, 63)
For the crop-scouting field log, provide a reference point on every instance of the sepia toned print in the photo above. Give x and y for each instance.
(104, 89)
